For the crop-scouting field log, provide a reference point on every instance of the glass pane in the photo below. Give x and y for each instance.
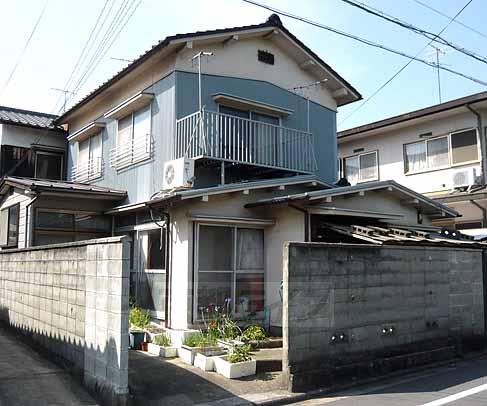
(352, 169)
(48, 166)
(124, 136)
(13, 225)
(215, 251)
(48, 238)
(464, 146)
(92, 223)
(264, 118)
(249, 293)
(250, 249)
(142, 123)
(156, 249)
(438, 152)
(17, 161)
(95, 154)
(214, 291)
(234, 112)
(368, 166)
(84, 151)
(49, 219)
(415, 157)
(152, 291)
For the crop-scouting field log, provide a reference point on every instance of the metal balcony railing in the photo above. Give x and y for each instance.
(138, 150)
(87, 171)
(224, 137)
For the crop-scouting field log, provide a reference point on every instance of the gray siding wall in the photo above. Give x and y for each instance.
(427, 295)
(322, 119)
(145, 178)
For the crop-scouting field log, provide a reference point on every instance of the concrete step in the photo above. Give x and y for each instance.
(268, 359)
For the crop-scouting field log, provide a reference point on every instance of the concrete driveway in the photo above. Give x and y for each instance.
(26, 378)
(461, 384)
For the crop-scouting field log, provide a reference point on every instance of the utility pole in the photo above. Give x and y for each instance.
(65, 92)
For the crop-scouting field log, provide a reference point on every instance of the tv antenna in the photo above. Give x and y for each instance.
(65, 92)
(434, 57)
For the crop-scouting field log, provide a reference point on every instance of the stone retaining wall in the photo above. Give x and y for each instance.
(73, 299)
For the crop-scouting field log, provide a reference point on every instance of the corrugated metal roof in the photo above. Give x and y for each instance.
(27, 118)
(272, 21)
(362, 187)
(58, 185)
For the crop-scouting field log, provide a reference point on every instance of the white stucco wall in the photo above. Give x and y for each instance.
(390, 144)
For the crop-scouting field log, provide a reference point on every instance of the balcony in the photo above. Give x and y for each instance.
(139, 149)
(87, 171)
(212, 135)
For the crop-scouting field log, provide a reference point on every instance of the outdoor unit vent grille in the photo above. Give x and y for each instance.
(464, 178)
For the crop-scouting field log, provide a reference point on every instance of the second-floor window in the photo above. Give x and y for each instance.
(457, 148)
(133, 138)
(361, 168)
(30, 163)
(89, 158)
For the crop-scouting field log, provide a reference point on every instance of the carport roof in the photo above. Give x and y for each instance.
(411, 196)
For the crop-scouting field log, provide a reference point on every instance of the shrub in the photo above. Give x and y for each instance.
(162, 339)
(138, 317)
(239, 353)
(254, 333)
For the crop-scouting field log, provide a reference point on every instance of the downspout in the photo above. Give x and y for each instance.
(483, 154)
(28, 240)
(484, 212)
(306, 221)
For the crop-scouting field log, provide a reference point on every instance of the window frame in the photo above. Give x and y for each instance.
(38, 152)
(132, 127)
(450, 164)
(359, 155)
(196, 317)
(8, 245)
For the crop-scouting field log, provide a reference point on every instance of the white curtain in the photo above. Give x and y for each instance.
(368, 166)
(124, 139)
(416, 157)
(250, 249)
(352, 169)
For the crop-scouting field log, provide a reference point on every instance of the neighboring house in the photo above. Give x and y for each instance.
(438, 151)
(213, 194)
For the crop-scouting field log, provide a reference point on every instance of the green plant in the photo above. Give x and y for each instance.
(239, 353)
(162, 339)
(254, 333)
(199, 339)
(221, 325)
(138, 317)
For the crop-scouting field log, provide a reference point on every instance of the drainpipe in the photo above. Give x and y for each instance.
(28, 239)
(483, 154)
(484, 212)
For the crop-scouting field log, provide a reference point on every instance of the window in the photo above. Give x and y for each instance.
(25, 162)
(49, 165)
(134, 142)
(156, 250)
(361, 168)
(89, 159)
(441, 152)
(9, 222)
(230, 270)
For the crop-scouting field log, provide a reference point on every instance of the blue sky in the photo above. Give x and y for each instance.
(66, 24)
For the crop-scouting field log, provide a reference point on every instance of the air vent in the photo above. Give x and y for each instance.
(265, 57)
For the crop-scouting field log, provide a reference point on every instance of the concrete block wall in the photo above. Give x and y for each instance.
(338, 299)
(73, 299)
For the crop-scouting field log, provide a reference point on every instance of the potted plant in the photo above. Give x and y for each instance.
(138, 320)
(188, 347)
(206, 351)
(237, 363)
(254, 335)
(161, 346)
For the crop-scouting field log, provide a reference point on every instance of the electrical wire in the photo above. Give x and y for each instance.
(367, 42)
(17, 63)
(403, 67)
(436, 38)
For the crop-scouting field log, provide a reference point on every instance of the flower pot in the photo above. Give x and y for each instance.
(143, 346)
(204, 359)
(136, 338)
(234, 370)
(165, 352)
(187, 354)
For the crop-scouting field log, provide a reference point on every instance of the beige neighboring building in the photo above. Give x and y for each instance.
(438, 151)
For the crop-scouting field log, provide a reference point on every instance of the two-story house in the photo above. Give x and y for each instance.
(438, 151)
(201, 152)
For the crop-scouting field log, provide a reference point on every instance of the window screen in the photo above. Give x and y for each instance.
(368, 166)
(464, 146)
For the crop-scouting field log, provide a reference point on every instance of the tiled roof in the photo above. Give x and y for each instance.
(27, 118)
(272, 21)
(60, 186)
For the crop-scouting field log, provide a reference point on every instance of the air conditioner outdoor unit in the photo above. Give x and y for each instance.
(464, 177)
(178, 173)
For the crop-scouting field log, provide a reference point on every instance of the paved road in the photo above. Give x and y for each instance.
(463, 384)
(28, 379)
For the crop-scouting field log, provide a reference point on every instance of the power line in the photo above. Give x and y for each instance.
(405, 66)
(366, 41)
(417, 30)
(80, 60)
(25, 47)
(447, 16)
